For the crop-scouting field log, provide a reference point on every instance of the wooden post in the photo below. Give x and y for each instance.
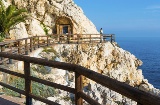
(38, 42)
(19, 47)
(68, 38)
(111, 38)
(26, 47)
(2, 49)
(27, 83)
(90, 38)
(34, 43)
(31, 45)
(78, 38)
(10, 47)
(47, 41)
(78, 87)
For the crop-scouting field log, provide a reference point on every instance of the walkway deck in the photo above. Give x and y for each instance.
(7, 100)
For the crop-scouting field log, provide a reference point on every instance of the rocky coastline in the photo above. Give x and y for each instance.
(105, 58)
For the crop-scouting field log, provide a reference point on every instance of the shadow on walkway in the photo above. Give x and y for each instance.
(4, 100)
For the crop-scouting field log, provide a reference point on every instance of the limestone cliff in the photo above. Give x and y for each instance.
(46, 12)
(105, 58)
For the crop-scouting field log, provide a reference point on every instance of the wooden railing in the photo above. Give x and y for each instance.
(26, 45)
(141, 97)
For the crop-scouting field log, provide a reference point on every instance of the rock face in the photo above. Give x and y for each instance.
(105, 58)
(46, 12)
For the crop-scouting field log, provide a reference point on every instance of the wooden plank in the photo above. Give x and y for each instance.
(78, 88)
(12, 88)
(12, 72)
(19, 47)
(27, 83)
(26, 47)
(43, 100)
(65, 88)
(9, 100)
(31, 45)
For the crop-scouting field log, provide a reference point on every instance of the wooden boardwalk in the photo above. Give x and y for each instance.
(26, 45)
(15, 49)
(7, 100)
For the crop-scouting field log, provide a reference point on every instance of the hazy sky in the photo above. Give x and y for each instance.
(124, 17)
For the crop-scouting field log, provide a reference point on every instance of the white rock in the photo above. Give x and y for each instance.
(35, 29)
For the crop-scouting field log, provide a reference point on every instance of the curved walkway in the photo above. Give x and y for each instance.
(8, 100)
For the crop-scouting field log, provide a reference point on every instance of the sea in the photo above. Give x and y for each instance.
(147, 49)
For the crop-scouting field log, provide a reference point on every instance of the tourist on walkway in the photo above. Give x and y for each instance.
(101, 31)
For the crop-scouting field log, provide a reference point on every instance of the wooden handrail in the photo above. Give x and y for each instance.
(139, 96)
(26, 45)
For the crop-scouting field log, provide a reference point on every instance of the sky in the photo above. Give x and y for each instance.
(128, 18)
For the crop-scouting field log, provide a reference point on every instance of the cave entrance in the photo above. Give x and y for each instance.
(64, 25)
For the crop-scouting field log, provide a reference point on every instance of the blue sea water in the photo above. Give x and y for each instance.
(146, 49)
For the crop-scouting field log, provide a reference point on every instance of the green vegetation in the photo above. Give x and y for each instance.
(50, 49)
(37, 88)
(44, 28)
(16, 82)
(42, 90)
(41, 69)
(9, 17)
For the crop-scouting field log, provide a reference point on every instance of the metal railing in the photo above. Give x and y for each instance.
(141, 97)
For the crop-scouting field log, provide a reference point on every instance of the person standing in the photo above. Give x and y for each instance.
(101, 31)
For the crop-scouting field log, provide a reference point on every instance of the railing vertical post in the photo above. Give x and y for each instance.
(2, 49)
(31, 45)
(26, 47)
(78, 87)
(27, 83)
(114, 38)
(19, 47)
(78, 38)
(111, 38)
(47, 41)
(68, 38)
(38, 42)
(90, 38)
(34, 43)
(10, 47)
